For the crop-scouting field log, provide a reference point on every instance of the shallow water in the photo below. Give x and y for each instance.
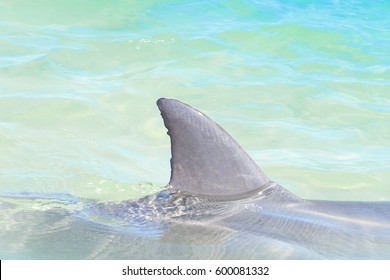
(303, 86)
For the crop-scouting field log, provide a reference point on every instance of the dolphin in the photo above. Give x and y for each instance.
(207, 162)
(216, 189)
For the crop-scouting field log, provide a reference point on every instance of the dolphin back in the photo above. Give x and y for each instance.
(206, 160)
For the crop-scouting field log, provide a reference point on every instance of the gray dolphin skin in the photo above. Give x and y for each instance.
(208, 163)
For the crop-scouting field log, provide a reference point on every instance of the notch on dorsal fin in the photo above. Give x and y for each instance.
(205, 158)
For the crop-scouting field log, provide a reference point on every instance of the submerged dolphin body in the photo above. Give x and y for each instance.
(208, 164)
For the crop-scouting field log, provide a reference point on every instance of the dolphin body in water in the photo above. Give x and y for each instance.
(215, 185)
(217, 201)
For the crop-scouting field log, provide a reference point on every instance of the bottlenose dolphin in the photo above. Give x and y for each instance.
(207, 162)
(215, 187)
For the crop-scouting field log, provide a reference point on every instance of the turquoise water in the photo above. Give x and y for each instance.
(303, 86)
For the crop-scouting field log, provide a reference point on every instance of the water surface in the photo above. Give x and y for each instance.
(303, 86)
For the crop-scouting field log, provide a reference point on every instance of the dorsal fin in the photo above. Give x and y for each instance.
(205, 158)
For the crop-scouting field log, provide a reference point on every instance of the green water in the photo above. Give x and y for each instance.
(303, 86)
